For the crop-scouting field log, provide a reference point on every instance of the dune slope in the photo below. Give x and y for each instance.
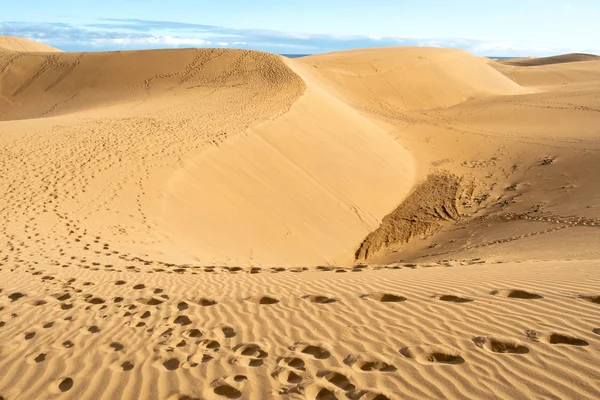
(10, 43)
(390, 81)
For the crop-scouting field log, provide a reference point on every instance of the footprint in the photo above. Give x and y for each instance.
(314, 351)
(16, 296)
(368, 364)
(171, 364)
(116, 346)
(65, 384)
(151, 301)
(591, 299)
(263, 300)
(286, 376)
(229, 387)
(206, 302)
(93, 329)
(139, 286)
(182, 320)
(318, 392)
(227, 391)
(453, 299)
(250, 350)
(337, 379)
(500, 345)
(127, 366)
(384, 297)
(431, 355)
(29, 335)
(555, 338)
(227, 332)
(68, 344)
(374, 396)
(194, 333)
(596, 331)
(182, 306)
(291, 362)
(319, 299)
(516, 294)
(95, 300)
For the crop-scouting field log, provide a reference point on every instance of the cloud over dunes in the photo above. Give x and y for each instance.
(128, 34)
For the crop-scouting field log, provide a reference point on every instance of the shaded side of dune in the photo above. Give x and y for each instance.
(564, 58)
(432, 204)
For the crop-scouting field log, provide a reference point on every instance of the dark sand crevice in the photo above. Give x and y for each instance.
(439, 200)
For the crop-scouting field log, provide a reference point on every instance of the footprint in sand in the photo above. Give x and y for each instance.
(226, 332)
(150, 301)
(432, 355)
(516, 294)
(337, 379)
(318, 392)
(139, 286)
(596, 331)
(500, 345)
(116, 346)
(182, 320)
(249, 354)
(182, 306)
(368, 364)
(263, 300)
(194, 333)
(230, 387)
(16, 296)
(374, 396)
(592, 299)
(127, 366)
(65, 384)
(171, 364)
(319, 299)
(291, 362)
(316, 352)
(384, 297)
(286, 376)
(555, 338)
(206, 302)
(95, 300)
(453, 299)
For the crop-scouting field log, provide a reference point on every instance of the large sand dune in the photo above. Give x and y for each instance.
(374, 224)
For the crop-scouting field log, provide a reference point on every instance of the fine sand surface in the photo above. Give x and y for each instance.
(395, 223)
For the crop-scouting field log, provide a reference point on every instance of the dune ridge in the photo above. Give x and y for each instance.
(10, 43)
(183, 224)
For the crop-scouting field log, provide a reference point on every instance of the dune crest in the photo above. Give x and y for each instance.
(10, 43)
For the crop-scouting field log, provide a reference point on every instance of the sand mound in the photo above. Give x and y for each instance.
(307, 179)
(36, 85)
(389, 80)
(11, 43)
(537, 61)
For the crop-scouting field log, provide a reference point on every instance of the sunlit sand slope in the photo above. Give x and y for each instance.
(9, 43)
(392, 80)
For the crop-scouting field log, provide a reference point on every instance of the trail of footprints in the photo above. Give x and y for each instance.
(180, 344)
(291, 371)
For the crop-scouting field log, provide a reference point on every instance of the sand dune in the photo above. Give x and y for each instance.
(10, 43)
(393, 80)
(374, 224)
(537, 61)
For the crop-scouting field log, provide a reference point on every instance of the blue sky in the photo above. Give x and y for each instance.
(484, 27)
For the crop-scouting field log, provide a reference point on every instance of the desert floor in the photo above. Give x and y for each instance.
(394, 223)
